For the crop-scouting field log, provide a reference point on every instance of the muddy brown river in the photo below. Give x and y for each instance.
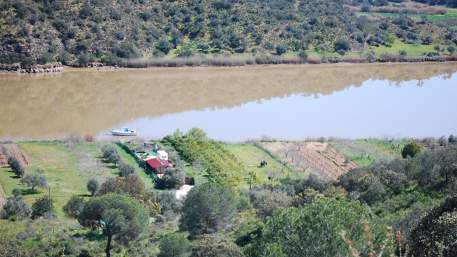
(235, 104)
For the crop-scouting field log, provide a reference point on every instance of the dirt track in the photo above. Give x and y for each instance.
(2, 197)
(312, 157)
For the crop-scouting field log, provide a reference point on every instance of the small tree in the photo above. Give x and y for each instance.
(36, 180)
(411, 150)
(207, 209)
(174, 245)
(120, 217)
(15, 208)
(42, 207)
(110, 154)
(342, 45)
(173, 178)
(215, 246)
(125, 169)
(74, 206)
(266, 201)
(281, 49)
(16, 166)
(92, 186)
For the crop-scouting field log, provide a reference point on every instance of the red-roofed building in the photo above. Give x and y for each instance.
(158, 165)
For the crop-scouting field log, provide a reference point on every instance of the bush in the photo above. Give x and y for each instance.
(42, 207)
(126, 169)
(174, 245)
(215, 246)
(281, 49)
(15, 209)
(173, 178)
(411, 150)
(92, 186)
(342, 45)
(266, 201)
(16, 166)
(110, 154)
(169, 205)
(74, 206)
(208, 208)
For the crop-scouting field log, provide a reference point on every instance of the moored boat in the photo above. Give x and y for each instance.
(123, 132)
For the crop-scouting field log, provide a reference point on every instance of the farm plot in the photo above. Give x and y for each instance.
(315, 158)
(7, 150)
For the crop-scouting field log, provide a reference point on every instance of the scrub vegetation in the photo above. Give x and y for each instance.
(391, 205)
(153, 33)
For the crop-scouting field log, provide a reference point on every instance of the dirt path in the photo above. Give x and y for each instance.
(312, 157)
(2, 197)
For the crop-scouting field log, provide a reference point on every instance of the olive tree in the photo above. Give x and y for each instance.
(411, 150)
(16, 166)
(125, 169)
(35, 180)
(120, 218)
(207, 209)
(42, 207)
(15, 208)
(74, 206)
(92, 186)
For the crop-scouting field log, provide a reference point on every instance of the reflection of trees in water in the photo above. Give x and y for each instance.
(87, 102)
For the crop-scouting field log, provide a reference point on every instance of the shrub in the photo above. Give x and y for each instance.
(42, 207)
(74, 206)
(173, 178)
(411, 150)
(15, 209)
(110, 154)
(215, 246)
(92, 186)
(174, 245)
(342, 45)
(281, 49)
(125, 169)
(266, 201)
(168, 203)
(16, 166)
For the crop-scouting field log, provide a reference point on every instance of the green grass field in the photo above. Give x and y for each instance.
(451, 14)
(66, 168)
(251, 156)
(411, 49)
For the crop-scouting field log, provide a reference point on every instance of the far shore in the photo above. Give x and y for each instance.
(230, 61)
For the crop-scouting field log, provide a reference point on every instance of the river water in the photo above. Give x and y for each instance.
(235, 104)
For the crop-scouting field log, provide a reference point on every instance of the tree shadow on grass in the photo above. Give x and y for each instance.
(94, 236)
(85, 195)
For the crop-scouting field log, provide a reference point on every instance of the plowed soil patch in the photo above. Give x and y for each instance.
(7, 150)
(312, 157)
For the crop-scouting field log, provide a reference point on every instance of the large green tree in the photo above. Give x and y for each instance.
(314, 229)
(207, 209)
(120, 217)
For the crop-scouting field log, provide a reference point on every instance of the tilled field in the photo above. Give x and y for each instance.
(315, 158)
(7, 150)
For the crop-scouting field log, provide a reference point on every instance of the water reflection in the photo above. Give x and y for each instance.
(235, 103)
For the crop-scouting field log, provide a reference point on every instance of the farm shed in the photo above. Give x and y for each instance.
(158, 165)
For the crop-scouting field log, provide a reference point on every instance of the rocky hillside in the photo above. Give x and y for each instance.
(76, 32)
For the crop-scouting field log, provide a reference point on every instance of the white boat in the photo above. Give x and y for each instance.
(123, 132)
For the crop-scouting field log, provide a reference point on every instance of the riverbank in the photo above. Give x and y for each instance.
(229, 61)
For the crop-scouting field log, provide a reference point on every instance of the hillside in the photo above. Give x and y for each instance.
(78, 32)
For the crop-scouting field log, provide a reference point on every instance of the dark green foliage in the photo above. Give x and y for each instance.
(208, 208)
(16, 166)
(291, 231)
(36, 180)
(42, 207)
(74, 206)
(266, 201)
(120, 218)
(173, 178)
(410, 150)
(218, 164)
(131, 185)
(342, 45)
(92, 186)
(215, 246)
(435, 235)
(110, 154)
(126, 169)
(15, 209)
(78, 33)
(174, 245)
